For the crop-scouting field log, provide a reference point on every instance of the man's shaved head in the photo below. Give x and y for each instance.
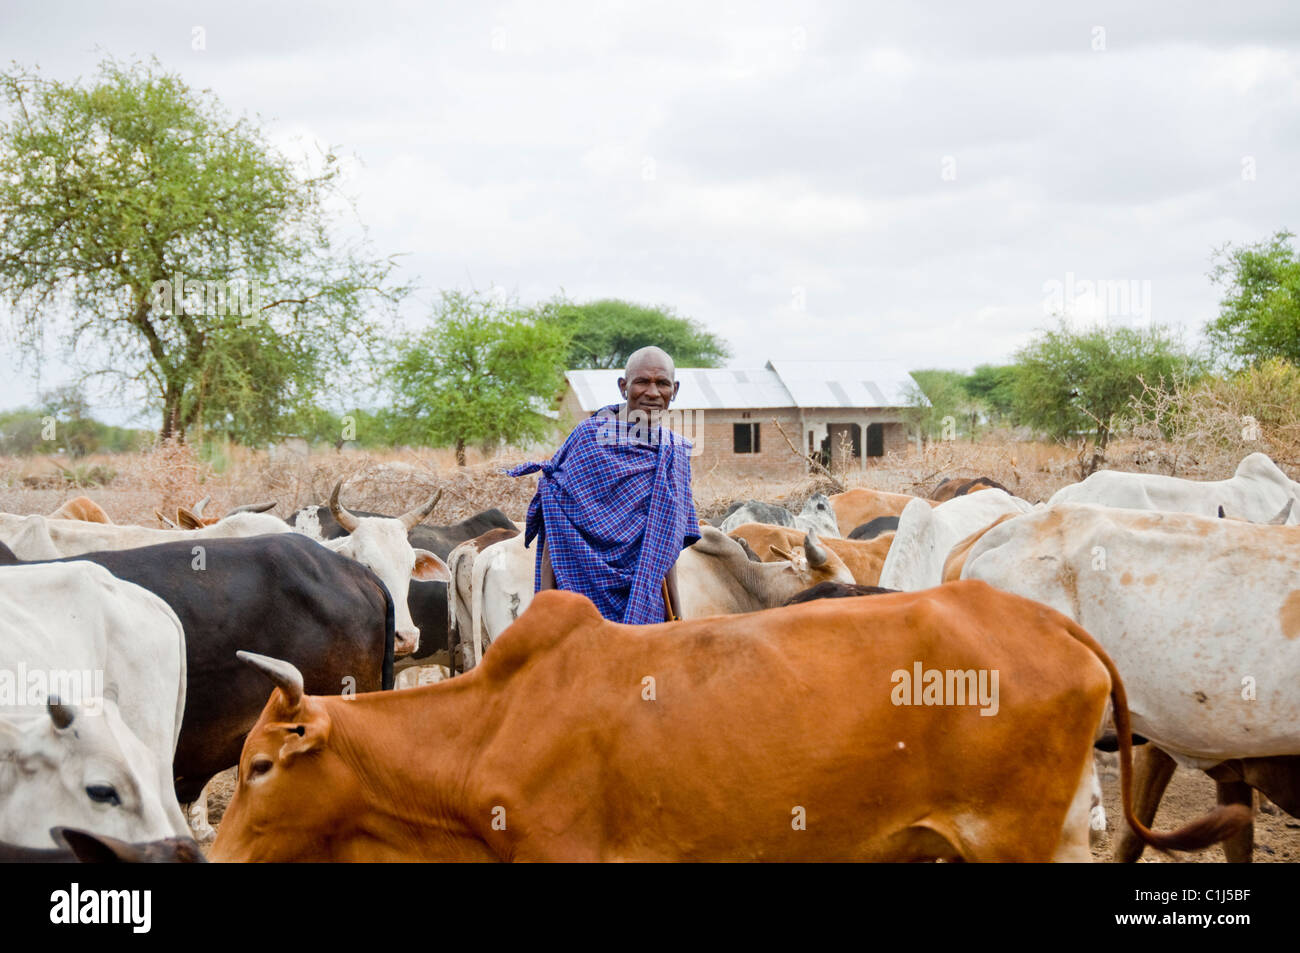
(654, 356)
(649, 383)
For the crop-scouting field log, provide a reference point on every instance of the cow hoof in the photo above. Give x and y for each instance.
(1097, 818)
(205, 834)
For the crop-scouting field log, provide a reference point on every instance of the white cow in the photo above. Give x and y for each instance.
(102, 761)
(1256, 492)
(926, 534)
(1188, 607)
(714, 577)
(40, 537)
(380, 544)
(1201, 616)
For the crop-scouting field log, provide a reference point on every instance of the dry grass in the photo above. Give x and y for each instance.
(390, 482)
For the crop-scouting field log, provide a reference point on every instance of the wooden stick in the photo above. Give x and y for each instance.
(839, 487)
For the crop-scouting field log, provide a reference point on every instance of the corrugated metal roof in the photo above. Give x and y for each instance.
(845, 383)
(780, 384)
(703, 388)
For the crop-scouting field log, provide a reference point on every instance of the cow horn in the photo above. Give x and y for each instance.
(286, 677)
(815, 552)
(253, 508)
(344, 518)
(164, 520)
(197, 509)
(62, 715)
(1281, 518)
(411, 518)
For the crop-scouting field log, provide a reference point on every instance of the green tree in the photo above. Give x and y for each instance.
(1260, 312)
(993, 387)
(75, 431)
(951, 411)
(21, 432)
(173, 249)
(1069, 382)
(485, 372)
(604, 333)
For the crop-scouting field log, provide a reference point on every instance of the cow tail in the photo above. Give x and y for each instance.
(478, 579)
(1219, 824)
(453, 630)
(390, 637)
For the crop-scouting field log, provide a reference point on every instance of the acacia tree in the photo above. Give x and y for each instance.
(483, 373)
(1069, 382)
(1260, 311)
(604, 333)
(133, 209)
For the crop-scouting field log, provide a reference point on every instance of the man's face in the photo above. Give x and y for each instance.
(649, 387)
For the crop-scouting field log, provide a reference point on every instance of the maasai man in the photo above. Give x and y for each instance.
(613, 507)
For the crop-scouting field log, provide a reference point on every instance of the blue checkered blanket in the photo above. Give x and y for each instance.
(614, 508)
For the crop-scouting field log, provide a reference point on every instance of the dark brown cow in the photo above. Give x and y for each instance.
(79, 846)
(949, 488)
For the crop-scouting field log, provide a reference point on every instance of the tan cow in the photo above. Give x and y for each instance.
(860, 505)
(81, 508)
(785, 735)
(193, 518)
(956, 561)
(864, 558)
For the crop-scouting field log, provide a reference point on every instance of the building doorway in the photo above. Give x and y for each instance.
(843, 445)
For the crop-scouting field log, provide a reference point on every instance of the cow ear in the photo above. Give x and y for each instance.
(187, 520)
(429, 568)
(303, 736)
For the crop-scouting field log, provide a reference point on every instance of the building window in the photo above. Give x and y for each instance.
(745, 438)
(875, 440)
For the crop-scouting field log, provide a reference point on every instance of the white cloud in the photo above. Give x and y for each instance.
(718, 157)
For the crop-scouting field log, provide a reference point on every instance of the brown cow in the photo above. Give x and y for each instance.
(860, 505)
(81, 508)
(194, 518)
(864, 559)
(782, 735)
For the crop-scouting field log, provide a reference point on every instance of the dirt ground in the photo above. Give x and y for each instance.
(1189, 795)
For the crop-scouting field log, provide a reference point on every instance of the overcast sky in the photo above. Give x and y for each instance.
(835, 180)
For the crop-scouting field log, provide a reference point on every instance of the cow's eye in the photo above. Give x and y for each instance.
(103, 794)
(259, 767)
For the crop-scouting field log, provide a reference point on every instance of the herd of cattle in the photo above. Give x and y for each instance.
(769, 723)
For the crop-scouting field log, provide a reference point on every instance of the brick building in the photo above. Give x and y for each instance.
(848, 411)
